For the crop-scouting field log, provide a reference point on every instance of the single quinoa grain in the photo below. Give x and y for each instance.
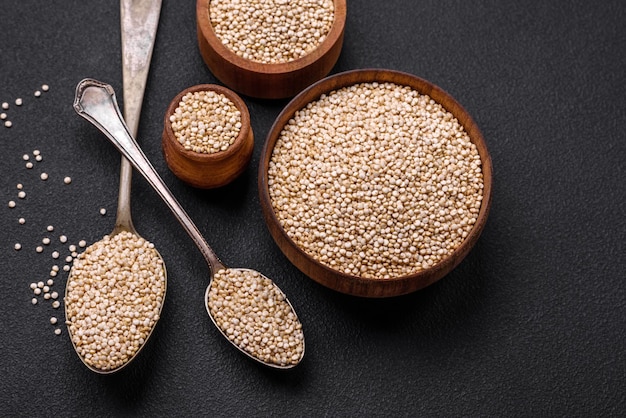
(255, 315)
(375, 180)
(271, 32)
(114, 298)
(206, 122)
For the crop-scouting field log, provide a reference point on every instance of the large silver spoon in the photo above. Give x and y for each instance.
(139, 20)
(269, 332)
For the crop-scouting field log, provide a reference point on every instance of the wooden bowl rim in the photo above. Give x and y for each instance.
(233, 149)
(334, 35)
(348, 78)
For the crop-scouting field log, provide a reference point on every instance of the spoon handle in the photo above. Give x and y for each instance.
(139, 20)
(96, 102)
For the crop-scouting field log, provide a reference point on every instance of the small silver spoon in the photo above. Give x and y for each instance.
(96, 102)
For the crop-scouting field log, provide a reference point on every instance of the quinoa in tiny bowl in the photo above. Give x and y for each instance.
(375, 183)
(207, 138)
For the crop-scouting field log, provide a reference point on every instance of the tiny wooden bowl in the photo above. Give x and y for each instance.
(350, 284)
(268, 81)
(208, 171)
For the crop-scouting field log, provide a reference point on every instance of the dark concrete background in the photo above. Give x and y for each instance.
(531, 323)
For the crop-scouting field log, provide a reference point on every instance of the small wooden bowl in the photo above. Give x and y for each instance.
(208, 171)
(268, 81)
(351, 284)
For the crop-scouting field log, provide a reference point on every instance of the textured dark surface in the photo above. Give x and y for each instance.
(531, 323)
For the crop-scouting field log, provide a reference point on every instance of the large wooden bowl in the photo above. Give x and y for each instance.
(208, 171)
(268, 81)
(351, 284)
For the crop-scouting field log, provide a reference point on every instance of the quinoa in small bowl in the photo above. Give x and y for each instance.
(270, 49)
(207, 138)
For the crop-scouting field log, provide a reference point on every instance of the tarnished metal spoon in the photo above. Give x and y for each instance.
(139, 21)
(95, 101)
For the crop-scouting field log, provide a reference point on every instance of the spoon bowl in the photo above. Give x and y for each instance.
(117, 347)
(96, 102)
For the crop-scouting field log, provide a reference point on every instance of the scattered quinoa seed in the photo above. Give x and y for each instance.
(11, 203)
(33, 286)
(67, 180)
(25, 157)
(37, 93)
(3, 116)
(19, 101)
(34, 301)
(39, 249)
(40, 285)
(57, 331)
(45, 87)
(54, 295)
(63, 239)
(8, 124)
(5, 105)
(29, 165)
(50, 282)
(38, 158)
(45, 241)
(20, 186)
(17, 246)
(44, 176)
(53, 320)
(55, 254)
(37, 291)
(82, 243)
(103, 211)
(21, 194)
(21, 221)
(50, 228)
(56, 304)
(36, 152)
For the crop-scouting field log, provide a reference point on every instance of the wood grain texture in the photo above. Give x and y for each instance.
(268, 81)
(208, 171)
(350, 284)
